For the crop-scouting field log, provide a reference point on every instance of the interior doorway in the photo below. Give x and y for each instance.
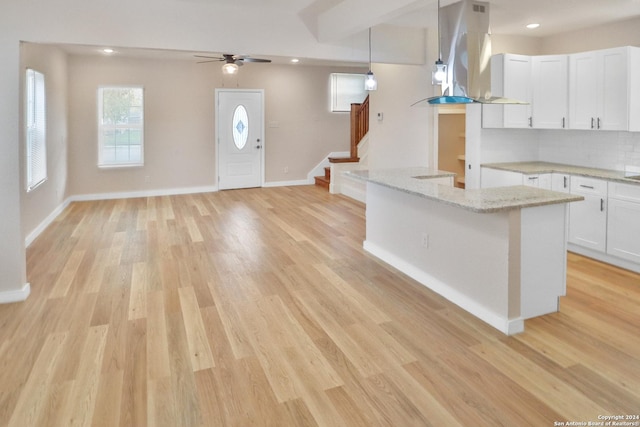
(452, 141)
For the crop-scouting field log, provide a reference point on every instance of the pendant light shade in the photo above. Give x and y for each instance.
(230, 68)
(370, 83)
(439, 73)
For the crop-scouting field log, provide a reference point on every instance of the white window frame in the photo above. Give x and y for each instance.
(346, 89)
(35, 121)
(102, 162)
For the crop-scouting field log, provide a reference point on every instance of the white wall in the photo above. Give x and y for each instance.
(36, 205)
(404, 136)
(625, 33)
(13, 276)
(180, 124)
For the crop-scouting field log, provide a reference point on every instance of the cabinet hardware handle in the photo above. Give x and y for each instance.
(531, 178)
(563, 123)
(530, 122)
(601, 205)
(598, 122)
(564, 179)
(592, 123)
(587, 186)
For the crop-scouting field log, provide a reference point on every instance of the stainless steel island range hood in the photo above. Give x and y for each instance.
(465, 49)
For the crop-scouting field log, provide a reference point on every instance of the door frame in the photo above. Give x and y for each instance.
(218, 91)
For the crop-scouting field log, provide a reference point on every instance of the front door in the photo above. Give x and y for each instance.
(240, 138)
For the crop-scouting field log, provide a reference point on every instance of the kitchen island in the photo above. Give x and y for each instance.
(498, 253)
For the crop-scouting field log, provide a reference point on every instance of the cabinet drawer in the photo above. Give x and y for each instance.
(583, 185)
(624, 191)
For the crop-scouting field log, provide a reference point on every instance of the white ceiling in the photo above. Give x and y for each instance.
(314, 16)
(554, 16)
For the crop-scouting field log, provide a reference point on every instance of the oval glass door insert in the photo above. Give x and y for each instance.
(240, 127)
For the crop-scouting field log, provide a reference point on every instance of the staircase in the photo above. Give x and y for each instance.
(324, 181)
(359, 128)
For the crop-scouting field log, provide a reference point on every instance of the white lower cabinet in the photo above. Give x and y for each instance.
(623, 225)
(560, 182)
(490, 178)
(542, 180)
(588, 218)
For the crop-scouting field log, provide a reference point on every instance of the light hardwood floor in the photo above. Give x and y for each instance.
(259, 307)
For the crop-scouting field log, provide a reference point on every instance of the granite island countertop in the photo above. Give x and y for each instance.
(420, 182)
(531, 168)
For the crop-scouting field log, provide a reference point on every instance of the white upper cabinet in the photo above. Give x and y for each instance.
(604, 87)
(550, 93)
(510, 78)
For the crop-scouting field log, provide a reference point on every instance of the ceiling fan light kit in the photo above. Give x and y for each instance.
(230, 68)
(231, 62)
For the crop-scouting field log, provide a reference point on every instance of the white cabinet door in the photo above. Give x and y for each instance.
(510, 78)
(588, 218)
(599, 89)
(623, 222)
(542, 180)
(560, 182)
(623, 232)
(499, 178)
(550, 92)
(583, 83)
(613, 113)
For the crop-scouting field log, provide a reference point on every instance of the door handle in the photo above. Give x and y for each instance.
(601, 205)
(598, 122)
(592, 122)
(564, 178)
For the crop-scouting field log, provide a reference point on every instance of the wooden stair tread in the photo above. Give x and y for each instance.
(321, 181)
(344, 159)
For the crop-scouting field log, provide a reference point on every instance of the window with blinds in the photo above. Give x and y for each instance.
(120, 126)
(346, 89)
(36, 129)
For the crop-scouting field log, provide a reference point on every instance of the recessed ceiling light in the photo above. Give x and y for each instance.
(533, 26)
(295, 60)
(108, 50)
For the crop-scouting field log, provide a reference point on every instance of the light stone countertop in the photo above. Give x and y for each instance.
(416, 181)
(530, 168)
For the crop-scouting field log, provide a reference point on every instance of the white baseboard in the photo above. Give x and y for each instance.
(45, 223)
(506, 326)
(7, 297)
(144, 193)
(31, 237)
(318, 169)
(286, 183)
(600, 256)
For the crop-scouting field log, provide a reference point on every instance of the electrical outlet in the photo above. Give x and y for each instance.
(425, 240)
(147, 178)
(286, 169)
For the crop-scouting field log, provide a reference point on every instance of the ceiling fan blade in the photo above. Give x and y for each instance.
(213, 58)
(248, 59)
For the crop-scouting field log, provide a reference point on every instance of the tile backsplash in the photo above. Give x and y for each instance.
(597, 149)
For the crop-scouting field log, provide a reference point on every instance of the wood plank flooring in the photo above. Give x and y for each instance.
(259, 308)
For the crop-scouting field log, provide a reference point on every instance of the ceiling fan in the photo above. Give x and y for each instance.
(231, 62)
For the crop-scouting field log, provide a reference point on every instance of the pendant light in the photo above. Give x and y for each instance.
(370, 83)
(439, 73)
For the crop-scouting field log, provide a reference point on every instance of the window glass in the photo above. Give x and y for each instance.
(346, 89)
(120, 126)
(35, 129)
(240, 125)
